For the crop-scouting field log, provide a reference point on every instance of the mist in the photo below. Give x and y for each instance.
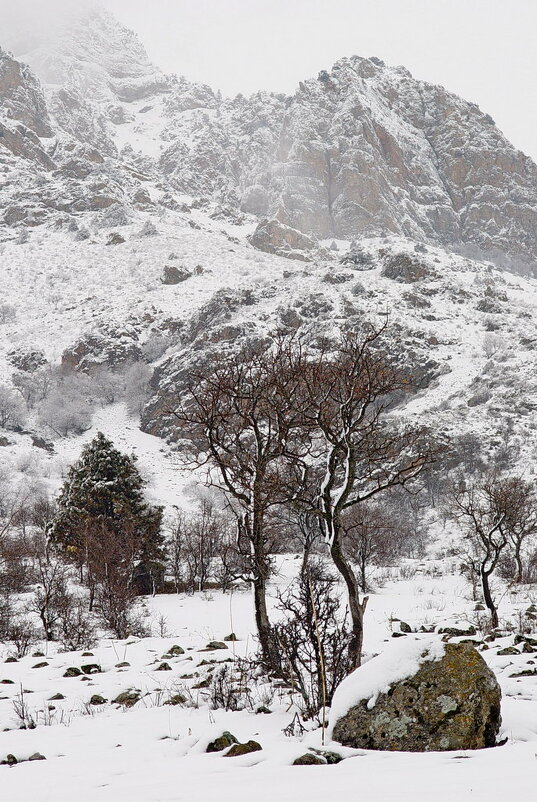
(483, 50)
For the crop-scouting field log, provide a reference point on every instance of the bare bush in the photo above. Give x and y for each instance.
(13, 411)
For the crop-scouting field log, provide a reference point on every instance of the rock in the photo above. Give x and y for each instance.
(404, 627)
(6, 682)
(11, 660)
(309, 759)
(243, 749)
(175, 651)
(214, 645)
(456, 632)
(10, 760)
(37, 756)
(176, 699)
(114, 238)
(44, 664)
(163, 667)
(123, 664)
(91, 668)
(448, 703)
(507, 650)
(174, 275)
(127, 698)
(406, 268)
(57, 697)
(72, 672)
(263, 709)
(231, 638)
(272, 236)
(97, 700)
(222, 742)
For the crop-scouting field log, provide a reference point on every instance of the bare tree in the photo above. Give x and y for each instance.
(243, 417)
(482, 506)
(372, 534)
(12, 408)
(520, 518)
(360, 452)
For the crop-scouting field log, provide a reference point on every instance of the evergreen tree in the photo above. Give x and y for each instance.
(102, 517)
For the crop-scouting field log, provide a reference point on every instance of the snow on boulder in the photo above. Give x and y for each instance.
(419, 695)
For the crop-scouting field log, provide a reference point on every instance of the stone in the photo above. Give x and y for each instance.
(37, 756)
(72, 671)
(91, 668)
(163, 667)
(309, 759)
(127, 698)
(243, 749)
(214, 645)
(231, 637)
(57, 697)
(404, 627)
(176, 699)
(175, 651)
(174, 275)
(96, 699)
(450, 703)
(508, 650)
(457, 632)
(43, 664)
(223, 741)
(272, 236)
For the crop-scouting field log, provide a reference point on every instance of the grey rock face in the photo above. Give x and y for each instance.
(452, 703)
(272, 236)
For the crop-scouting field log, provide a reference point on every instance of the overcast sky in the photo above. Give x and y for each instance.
(484, 50)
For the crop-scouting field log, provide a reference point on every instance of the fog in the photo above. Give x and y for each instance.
(484, 50)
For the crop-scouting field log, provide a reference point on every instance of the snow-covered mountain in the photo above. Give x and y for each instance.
(137, 207)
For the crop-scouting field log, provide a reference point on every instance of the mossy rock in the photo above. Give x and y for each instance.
(123, 664)
(223, 741)
(6, 682)
(175, 651)
(309, 759)
(214, 645)
(97, 700)
(10, 760)
(449, 704)
(44, 664)
(72, 671)
(36, 756)
(92, 668)
(127, 698)
(204, 683)
(163, 667)
(456, 632)
(231, 638)
(176, 699)
(508, 651)
(11, 660)
(243, 749)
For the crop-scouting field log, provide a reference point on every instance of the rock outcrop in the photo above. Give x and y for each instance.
(448, 703)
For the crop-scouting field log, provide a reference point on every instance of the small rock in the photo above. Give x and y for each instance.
(38, 654)
(10, 760)
(44, 664)
(508, 650)
(175, 651)
(214, 645)
(37, 756)
(11, 660)
(6, 682)
(72, 672)
(231, 637)
(176, 699)
(222, 742)
(124, 664)
(57, 697)
(263, 709)
(127, 698)
(243, 749)
(97, 700)
(164, 667)
(404, 627)
(87, 654)
(309, 759)
(92, 668)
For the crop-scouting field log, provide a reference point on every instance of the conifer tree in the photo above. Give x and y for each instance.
(102, 516)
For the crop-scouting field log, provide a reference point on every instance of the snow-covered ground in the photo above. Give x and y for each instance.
(155, 752)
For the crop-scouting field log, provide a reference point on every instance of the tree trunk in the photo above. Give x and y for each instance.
(518, 560)
(356, 607)
(264, 630)
(488, 599)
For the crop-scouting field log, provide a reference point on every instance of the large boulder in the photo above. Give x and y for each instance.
(418, 696)
(272, 236)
